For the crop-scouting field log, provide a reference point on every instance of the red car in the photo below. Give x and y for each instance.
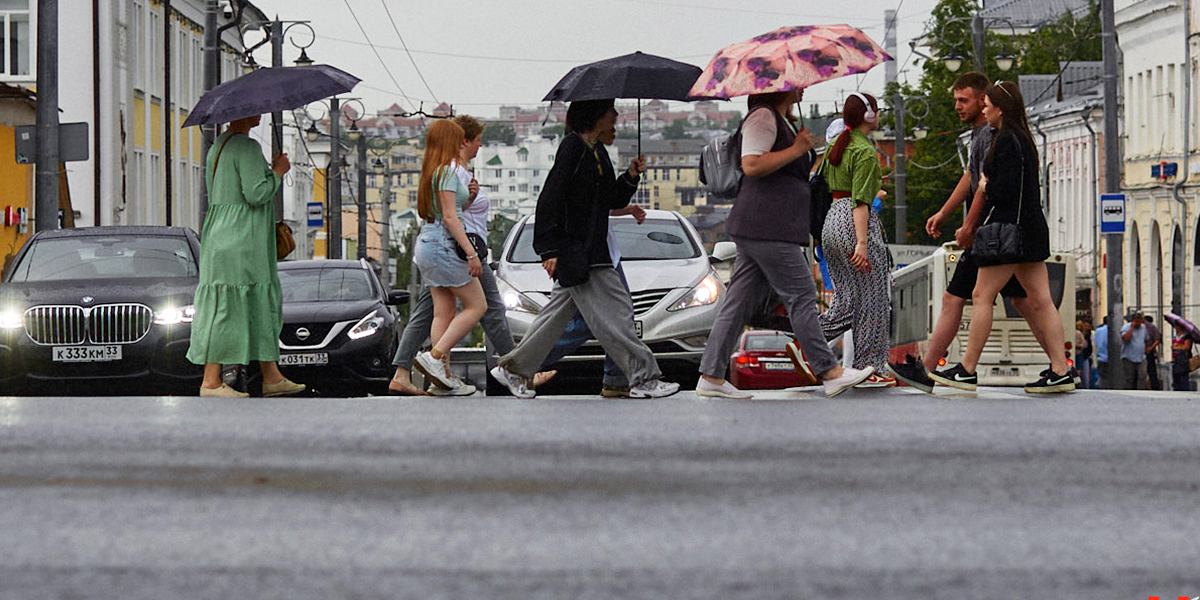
(762, 363)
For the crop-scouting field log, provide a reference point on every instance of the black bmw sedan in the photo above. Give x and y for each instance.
(340, 327)
(100, 310)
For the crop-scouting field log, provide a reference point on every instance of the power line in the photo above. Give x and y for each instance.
(513, 59)
(410, 56)
(376, 51)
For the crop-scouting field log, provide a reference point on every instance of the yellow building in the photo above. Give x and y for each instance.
(672, 178)
(17, 107)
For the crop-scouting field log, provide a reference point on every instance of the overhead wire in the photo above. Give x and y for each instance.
(410, 56)
(377, 55)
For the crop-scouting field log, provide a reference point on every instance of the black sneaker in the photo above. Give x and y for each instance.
(1072, 371)
(912, 373)
(956, 376)
(1050, 383)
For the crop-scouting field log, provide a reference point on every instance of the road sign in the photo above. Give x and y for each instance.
(316, 214)
(72, 143)
(1112, 213)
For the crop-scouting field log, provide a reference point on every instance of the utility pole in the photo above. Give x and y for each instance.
(276, 34)
(46, 169)
(362, 195)
(333, 183)
(386, 235)
(901, 177)
(1112, 185)
(978, 34)
(212, 62)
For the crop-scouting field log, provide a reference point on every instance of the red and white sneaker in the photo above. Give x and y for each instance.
(807, 377)
(878, 381)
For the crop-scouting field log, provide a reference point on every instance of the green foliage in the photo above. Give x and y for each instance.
(556, 129)
(499, 133)
(677, 130)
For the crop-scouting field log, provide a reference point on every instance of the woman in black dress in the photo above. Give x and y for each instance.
(1012, 195)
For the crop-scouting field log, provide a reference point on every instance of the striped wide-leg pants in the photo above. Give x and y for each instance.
(861, 301)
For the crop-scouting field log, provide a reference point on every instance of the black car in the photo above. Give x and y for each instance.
(100, 310)
(340, 326)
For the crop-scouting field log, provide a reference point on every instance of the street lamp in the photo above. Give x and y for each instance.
(333, 183)
(903, 109)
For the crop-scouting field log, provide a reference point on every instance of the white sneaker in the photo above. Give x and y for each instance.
(461, 389)
(850, 378)
(434, 369)
(725, 390)
(515, 383)
(655, 388)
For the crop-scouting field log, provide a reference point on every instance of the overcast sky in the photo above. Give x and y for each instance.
(480, 54)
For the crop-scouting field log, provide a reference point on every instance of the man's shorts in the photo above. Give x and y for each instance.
(962, 283)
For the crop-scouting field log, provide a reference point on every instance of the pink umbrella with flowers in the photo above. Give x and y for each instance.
(786, 59)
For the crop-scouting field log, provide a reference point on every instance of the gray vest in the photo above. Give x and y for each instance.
(774, 207)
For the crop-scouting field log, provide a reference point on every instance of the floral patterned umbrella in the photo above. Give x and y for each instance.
(788, 58)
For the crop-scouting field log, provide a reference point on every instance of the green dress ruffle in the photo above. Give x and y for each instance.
(239, 305)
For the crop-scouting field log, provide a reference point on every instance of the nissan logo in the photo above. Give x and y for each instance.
(302, 333)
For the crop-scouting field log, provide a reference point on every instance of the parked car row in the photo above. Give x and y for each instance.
(109, 310)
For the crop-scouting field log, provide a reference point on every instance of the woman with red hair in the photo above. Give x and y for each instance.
(860, 264)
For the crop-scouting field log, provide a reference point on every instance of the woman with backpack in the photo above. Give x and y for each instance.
(770, 225)
(852, 239)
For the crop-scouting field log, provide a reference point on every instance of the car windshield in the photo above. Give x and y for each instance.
(654, 239)
(106, 257)
(767, 342)
(325, 285)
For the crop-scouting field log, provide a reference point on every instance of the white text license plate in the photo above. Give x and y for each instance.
(86, 353)
(295, 360)
(776, 366)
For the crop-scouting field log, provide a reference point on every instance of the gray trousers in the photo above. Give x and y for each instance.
(608, 310)
(420, 319)
(760, 267)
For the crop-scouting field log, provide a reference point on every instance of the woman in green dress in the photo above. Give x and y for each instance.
(239, 306)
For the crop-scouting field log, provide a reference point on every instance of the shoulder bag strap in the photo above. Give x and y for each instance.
(217, 161)
(1020, 194)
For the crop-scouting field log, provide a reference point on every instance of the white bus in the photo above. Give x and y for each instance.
(1012, 356)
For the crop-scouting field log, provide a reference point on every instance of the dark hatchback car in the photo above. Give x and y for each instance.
(340, 328)
(100, 310)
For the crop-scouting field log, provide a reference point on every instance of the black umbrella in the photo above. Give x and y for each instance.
(637, 75)
(274, 89)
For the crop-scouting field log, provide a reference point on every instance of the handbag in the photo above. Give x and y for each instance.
(284, 242)
(1000, 243)
(1193, 363)
(477, 242)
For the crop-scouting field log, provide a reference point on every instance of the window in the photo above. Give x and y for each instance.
(16, 38)
(524, 187)
(156, 53)
(512, 188)
(666, 174)
(412, 197)
(135, 44)
(537, 173)
(512, 173)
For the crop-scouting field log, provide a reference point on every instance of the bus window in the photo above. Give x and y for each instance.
(1058, 275)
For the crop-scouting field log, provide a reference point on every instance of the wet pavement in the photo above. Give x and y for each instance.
(879, 493)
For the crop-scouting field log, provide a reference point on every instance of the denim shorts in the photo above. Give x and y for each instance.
(439, 264)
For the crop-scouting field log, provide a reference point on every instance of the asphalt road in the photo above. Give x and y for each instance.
(875, 494)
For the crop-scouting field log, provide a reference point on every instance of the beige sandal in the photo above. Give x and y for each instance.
(405, 388)
(543, 377)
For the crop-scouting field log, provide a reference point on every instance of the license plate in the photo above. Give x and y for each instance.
(77, 354)
(776, 366)
(296, 360)
(637, 329)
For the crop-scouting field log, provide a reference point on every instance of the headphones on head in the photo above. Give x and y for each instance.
(870, 115)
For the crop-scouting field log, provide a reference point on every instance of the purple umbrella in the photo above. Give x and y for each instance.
(275, 89)
(1183, 323)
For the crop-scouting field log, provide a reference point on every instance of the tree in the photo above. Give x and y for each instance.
(556, 129)
(499, 133)
(937, 162)
(677, 130)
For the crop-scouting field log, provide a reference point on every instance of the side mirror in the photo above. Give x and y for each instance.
(723, 251)
(396, 297)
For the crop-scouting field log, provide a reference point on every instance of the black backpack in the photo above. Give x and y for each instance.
(820, 199)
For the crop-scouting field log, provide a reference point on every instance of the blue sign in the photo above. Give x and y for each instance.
(316, 214)
(1112, 213)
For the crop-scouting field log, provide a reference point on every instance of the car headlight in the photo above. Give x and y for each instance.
(706, 292)
(366, 326)
(11, 319)
(174, 316)
(514, 300)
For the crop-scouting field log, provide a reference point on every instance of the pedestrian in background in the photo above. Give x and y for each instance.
(1181, 353)
(860, 263)
(1012, 195)
(1100, 343)
(239, 303)
(1083, 354)
(769, 224)
(1134, 338)
(1153, 345)
(570, 235)
(420, 318)
(441, 197)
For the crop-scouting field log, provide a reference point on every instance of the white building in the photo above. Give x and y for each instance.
(114, 63)
(513, 175)
(1161, 231)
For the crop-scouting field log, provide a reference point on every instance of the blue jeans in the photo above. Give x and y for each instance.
(577, 334)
